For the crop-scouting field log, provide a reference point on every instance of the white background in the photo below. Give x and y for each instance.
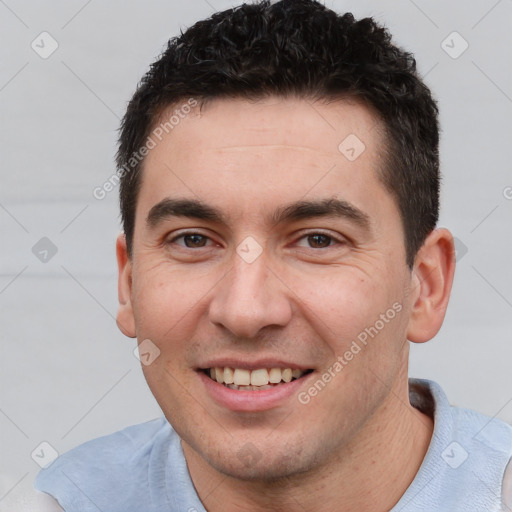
(67, 374)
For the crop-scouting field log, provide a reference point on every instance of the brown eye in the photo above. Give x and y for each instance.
(319, 240)
(194, 240)
(191, 240)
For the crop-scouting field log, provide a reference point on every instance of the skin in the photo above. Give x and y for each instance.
(358, 443)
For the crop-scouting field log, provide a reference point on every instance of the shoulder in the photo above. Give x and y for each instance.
(488, 443)
(119, 446)
(105, 468)
(467, 466)
(467, 426)
(492, 433)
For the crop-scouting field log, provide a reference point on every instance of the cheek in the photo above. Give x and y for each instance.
(345, 302)
(165, 303)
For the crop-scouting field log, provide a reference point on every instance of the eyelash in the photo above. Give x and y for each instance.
(305, 235)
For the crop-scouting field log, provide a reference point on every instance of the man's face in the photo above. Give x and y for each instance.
(275, 279)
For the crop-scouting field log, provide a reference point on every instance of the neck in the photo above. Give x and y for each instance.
(371, 473)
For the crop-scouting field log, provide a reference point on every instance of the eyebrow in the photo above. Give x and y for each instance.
(192, 208)
(299, 210)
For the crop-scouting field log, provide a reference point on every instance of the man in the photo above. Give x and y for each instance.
(279, 195)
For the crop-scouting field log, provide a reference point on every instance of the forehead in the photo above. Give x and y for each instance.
(236, 122)
(262, 150)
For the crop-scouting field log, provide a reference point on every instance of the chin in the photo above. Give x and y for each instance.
(267, 464)
(261, 472)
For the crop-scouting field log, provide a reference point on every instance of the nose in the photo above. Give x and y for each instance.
(249, 298)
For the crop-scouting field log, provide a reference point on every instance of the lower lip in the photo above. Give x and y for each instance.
(252, 401)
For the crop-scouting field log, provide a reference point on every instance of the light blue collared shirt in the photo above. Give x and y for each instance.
(142, 468)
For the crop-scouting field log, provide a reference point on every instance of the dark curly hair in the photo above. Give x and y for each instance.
(297, 48)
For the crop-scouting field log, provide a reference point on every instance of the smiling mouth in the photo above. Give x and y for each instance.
(254, 380)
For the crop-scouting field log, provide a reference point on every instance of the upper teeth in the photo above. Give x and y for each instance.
(259, 377)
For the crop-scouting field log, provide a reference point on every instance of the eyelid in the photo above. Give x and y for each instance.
(311, 232)
(189, 232)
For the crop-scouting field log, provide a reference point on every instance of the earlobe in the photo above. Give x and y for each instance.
(432, 279)
(125, 319)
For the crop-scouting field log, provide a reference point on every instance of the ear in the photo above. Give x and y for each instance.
(434, 267)
(125, 318)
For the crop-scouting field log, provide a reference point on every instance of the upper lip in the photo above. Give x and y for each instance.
(252, 365)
